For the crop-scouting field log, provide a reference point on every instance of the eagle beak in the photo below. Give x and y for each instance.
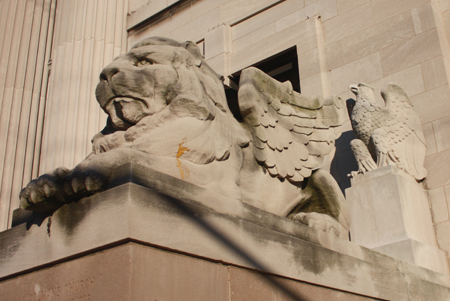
(354, 89)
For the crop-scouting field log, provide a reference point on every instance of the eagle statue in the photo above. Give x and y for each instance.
(389, 135)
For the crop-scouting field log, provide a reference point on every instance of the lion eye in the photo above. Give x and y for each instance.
(144, 62)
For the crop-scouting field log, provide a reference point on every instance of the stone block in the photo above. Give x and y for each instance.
(447, 195)
(164, 275)
(200, 8)
(442, 133)
(370, 40)
(309, 2)
(445, 48)
(220, 64)
(439, 208)
(141, 10)
(254, 37)
(426, 103)
(327, 9)
(444, 5)
(418, 252)
(434, 73)
(196, 29)
(312, 85)
(428, 132)
(410, 52)
(161, 29)
(411, 80)
(345, 5)
(384, 9)
(308, 63)
(217, 41)
(127, 272)
(439, 163)
(446, 19)
(390, 214)
(443, 235)
(250, 285)
(366, 70)
(107, 242)
(348, 23)
(438, 17)
(242, 26)
(230, 9)
(423, 18)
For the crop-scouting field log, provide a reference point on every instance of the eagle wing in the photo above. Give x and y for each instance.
(291, 133)
(401, 139)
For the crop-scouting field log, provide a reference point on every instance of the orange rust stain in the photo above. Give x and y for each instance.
(184, 172)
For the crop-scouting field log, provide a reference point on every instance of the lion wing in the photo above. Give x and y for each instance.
(291, 133)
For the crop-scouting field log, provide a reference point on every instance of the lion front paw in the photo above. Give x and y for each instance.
(321, 222)
(45, 193)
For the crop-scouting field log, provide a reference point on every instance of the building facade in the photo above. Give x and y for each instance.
(52, 52)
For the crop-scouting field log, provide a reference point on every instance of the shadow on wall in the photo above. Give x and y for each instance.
(344, 161)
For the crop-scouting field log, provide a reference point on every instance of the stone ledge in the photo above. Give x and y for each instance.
(193, 221)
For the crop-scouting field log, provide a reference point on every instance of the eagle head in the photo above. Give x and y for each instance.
(362, 92)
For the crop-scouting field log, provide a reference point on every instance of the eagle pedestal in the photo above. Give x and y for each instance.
(390, 214)
(154, 237)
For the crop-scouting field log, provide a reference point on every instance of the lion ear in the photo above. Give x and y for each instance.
(194, 51)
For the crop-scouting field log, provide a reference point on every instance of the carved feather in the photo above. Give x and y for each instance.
(394, 131)
(291, 133)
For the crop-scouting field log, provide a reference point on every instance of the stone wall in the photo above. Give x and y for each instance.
(339, 42)
(88, 35)
(26, 36)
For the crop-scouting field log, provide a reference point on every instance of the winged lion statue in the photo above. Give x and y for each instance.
(167, 110)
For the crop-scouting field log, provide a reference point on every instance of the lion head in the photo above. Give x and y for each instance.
(160, 81)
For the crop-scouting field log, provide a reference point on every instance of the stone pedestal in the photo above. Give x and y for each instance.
(133, 242)
(390, 214)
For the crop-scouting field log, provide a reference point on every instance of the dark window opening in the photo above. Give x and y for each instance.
(282, 66)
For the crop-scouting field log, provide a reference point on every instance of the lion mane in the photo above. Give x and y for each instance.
(196, 112)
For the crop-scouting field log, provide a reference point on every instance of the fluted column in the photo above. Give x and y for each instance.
(51, 54)
(27, 29)
(88, 35)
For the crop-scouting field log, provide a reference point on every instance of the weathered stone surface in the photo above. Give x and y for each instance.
(366, 69)
(357, 19)
(384, 9)
(427, 102)
(193, 221)
(441, 129)
(390, 214)
(345, 5)
(167, 110)
(410, 79)
(410, 52)
(391, 134)
(438, 205)
(369, 40)
(127, 272)
(439, 163)
(434, 73)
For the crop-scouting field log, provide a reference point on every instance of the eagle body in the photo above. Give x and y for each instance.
(389, 135)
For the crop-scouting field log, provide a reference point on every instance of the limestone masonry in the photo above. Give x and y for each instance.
(225, 138)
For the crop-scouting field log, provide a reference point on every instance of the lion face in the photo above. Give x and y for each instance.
(139, 83)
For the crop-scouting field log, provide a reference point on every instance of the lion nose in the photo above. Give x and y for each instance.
(108, 73)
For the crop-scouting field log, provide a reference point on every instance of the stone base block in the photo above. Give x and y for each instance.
(417, 252)
(133, 242)
(390, 214)
(133, 271)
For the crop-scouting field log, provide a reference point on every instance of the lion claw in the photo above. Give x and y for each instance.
(322, 222)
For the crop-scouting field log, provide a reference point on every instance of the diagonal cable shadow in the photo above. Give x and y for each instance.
(235, 248)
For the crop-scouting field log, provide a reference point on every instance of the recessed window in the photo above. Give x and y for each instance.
(282, 66)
